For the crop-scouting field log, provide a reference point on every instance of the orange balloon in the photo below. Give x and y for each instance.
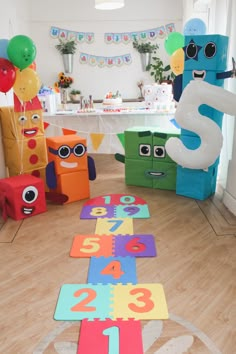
(32, 66)
(27, 84)
(177, 61)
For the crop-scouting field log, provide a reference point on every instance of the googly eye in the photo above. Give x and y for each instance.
(159, 151)
(210, 50)
(22, 120)
(35, 117)
(145, 150)
(191, 50)
(79, 150)
(30, 194)
(64, 151)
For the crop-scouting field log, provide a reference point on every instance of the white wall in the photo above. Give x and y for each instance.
(14, 19)
(81, 16)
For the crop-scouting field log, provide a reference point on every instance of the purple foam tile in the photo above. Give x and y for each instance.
(135, 246)
(95, 212)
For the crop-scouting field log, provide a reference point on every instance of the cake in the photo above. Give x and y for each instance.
(112, 99)
(159, 97)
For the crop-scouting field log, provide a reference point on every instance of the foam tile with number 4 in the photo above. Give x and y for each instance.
(112, 270)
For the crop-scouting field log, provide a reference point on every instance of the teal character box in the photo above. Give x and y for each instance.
(146, 162)
(205, 58)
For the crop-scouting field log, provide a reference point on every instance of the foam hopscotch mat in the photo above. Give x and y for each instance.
(85, 246)
(115, 205)
(86, 301)
(112, 303)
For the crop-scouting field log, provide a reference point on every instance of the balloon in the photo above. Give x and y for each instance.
(33, 66)
(21, 51)
(7, 75)
(27, 84)
(174, 41)
(177, 61)
(3, 48)
(188, 117)
(195, 26)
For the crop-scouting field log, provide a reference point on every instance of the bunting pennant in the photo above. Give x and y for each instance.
(150, 34)
(102, 61)
(80, 37)
(121, 137)
(68, 131)
(45, 125)
(96, 139)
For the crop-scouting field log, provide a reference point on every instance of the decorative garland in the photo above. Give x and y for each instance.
(150, 34)
(81, 37)
(117, 38)
(102, 61)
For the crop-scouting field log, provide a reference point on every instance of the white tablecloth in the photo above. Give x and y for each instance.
(110, 124)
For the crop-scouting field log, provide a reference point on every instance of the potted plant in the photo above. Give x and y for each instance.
(160, 72)
(62, 85)
(145, 50)
(67, 48)
(75, 95)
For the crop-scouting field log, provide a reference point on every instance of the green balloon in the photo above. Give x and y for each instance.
(21, 51)
(174, 41)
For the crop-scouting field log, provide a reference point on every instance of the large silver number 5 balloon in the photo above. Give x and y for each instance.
(188, 117)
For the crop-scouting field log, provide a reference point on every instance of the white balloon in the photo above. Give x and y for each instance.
(188, 117)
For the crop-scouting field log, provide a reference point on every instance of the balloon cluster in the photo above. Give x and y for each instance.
(17, 67)
(174, 43)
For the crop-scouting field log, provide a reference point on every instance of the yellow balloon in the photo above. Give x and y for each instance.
(27, 84)
(177, 61)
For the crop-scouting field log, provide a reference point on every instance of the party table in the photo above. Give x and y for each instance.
(104, 130)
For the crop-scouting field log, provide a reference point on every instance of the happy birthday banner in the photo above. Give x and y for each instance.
(103, 61)
(150, 34)
(80, 37)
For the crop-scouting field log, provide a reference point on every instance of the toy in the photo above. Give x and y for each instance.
(23, 138)
(70, 168)
(22, 196)
(146, 162)
(205, 59)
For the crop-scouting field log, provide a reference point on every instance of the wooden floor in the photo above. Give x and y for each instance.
(196, 264)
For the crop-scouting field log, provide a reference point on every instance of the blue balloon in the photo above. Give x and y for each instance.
(3, 48)
(195, 26)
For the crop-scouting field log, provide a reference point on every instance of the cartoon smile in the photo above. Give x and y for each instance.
(29, 132)
(155, 174)
(68, 164)
(199, 74)
(27, 211)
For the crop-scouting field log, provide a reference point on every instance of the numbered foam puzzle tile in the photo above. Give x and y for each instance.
(114, 226)
(79, 301)
(95, 212)
(115, 199)
(132, 211)
(85, 246)
(112, 270)
(110, 337)
(140, 301)
(135, 245)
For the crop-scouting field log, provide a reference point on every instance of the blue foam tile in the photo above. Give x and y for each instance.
(112, 270)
